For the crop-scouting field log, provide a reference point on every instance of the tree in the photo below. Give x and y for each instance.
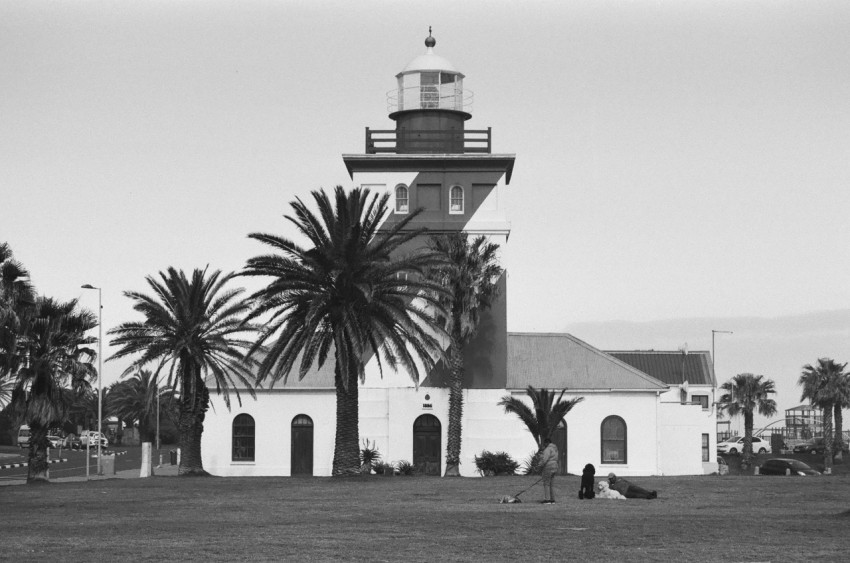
(471, 277)
(350, 294)
(193, 329)
(545, 414)
(821, 385)
(842, 401)
(746, 394)
(17, 295)
(135, 400)
(54, 351)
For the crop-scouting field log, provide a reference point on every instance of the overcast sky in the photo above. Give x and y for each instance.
(675, 160)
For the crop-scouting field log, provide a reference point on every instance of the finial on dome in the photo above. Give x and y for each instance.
(430, 41)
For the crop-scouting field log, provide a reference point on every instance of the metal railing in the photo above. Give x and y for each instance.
(444, 96)
(421, 141)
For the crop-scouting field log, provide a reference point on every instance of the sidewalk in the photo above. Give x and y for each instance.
(160, 471)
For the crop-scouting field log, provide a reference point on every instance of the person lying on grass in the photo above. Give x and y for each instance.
(602, 491)
(629, 490)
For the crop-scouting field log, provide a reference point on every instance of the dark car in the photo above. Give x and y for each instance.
(814, 446)
(780, 466)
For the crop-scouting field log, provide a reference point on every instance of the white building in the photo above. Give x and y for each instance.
(633, 420)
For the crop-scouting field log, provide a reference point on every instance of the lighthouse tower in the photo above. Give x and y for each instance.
(430, 160)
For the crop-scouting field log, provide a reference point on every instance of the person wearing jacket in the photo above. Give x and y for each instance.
(549, 463)
(629, 490)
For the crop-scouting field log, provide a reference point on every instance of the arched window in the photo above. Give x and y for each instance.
(402, 199)
(456, 199)
(243, 438)
(614, 440)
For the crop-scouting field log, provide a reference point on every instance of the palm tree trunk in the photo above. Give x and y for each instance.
(347, 446)
(193, 407)
(839, 434)
(38, 466)
(455, 430)
(827, 438)
(748, 439)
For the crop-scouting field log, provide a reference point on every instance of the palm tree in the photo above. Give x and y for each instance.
(545, 414)
(191, 331)
(350, 295)
(16, 296)
(745, 394)
(842, 401)
(471, 277)
(821, 385)
(55, 352)
(135, 400)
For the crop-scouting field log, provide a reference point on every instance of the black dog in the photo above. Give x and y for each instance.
(587, 482)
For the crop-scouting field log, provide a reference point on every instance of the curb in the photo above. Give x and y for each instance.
(26, 463)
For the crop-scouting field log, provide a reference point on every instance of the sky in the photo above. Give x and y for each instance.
(680, 166)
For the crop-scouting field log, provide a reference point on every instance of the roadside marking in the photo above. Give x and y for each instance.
(26, 464)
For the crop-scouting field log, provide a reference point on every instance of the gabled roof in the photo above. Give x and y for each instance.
(558, 361)
(673, 368)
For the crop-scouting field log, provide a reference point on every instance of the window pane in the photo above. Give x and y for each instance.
(705, 452)
(613, 440)
(243, 438)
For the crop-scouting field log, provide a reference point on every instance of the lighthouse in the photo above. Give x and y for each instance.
(431, 161)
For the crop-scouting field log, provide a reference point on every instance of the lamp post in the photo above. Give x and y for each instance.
(99, 373)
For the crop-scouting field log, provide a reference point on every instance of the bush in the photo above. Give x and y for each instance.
(499, 463)
(405, 468)
(382, 468)
(369, 456)
(531, 465)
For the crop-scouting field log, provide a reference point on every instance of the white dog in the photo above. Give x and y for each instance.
(602, 491)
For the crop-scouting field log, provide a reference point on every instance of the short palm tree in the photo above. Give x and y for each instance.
(56, 352)
(349, 294)
(842, 401)
(821, 385)
(193, 329)
(744, 395)
(472, 277)
(545, 414)
(135, 400)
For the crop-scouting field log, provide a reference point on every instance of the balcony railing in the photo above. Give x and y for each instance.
(415, 141)
(443, 96)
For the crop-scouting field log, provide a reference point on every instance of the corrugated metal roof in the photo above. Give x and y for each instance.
(558, 361)
(673, 368)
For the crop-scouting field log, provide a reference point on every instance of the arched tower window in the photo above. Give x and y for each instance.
(243, 438)
(456, 200)
(402, 199)
(613, 440)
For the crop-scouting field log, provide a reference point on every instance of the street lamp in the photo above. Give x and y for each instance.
(713, 332)
(99, 372)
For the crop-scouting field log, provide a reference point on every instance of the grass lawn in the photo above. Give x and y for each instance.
(710, 518)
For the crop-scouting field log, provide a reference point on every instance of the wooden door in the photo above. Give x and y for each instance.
(302, 445)
(427, 448)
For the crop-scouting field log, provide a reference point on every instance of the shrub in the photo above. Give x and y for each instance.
(405, 467)
(382, 468)
(499, 463)
(369, 456)
(531, 465)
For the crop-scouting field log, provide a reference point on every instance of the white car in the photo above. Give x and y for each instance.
(736, 446)
(93, 435)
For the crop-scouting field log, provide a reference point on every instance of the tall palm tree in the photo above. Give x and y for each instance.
(472, 277)
(135, 400)
(746, 394)
(821, 385)
(545, 414)
(349, 294)
(16, 296)
(842, 401)
(55, 352)
(193, 329)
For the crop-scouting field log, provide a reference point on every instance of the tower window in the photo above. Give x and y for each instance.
(456, 200)
(402, 199)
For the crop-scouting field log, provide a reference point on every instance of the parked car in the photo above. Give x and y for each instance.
(55, 441)
(780, 466)
(813, 446)
(91, 437)
(24, 436)
(736, 445)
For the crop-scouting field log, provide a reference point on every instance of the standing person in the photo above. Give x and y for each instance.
(629, 490)
(549, 463)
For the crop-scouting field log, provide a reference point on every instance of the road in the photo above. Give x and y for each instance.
(127, 457)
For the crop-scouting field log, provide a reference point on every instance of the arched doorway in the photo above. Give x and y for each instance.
(559, 438)
(302, 445)
(426, 445)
